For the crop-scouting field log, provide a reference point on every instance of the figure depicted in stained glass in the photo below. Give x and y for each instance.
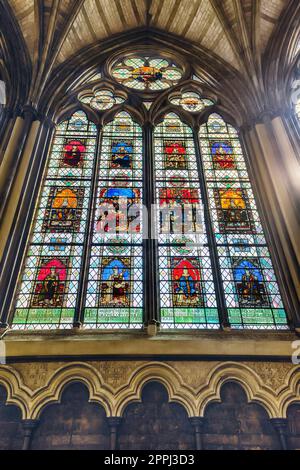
(146, 74)
(178, 195)
(222, 155)
(73, 153)
(122, 154)
(120, 209)
(178, 210)
(64, 209)
(232, 210)
(115, 282)
(175, 156)
(190, 102)
(186, 282)
(249, 282)
(50, 284)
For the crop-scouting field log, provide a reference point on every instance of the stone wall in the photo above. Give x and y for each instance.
(150, 405)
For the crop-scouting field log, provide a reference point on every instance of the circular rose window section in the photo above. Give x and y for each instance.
(147, 74)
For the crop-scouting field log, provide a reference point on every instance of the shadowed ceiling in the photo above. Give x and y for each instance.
(231, 29)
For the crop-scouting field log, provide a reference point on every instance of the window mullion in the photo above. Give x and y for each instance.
(151, 287)
(222, 309)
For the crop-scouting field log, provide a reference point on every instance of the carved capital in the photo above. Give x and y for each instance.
(29, 112)
(197, 422)
(114, 421)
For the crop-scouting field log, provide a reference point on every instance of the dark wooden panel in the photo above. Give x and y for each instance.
(293, 417)
(155, 424)
(11, 431)
(72, 424)
(235, 424)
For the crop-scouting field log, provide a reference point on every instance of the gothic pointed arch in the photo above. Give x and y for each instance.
(74, 423)
(96, 259)
(154, 423)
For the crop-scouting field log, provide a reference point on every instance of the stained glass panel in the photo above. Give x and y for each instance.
(48, 289)
(115, 288)
(187, 293)
(101, 100)
(145, 73)
(251, 291)
(191, 101)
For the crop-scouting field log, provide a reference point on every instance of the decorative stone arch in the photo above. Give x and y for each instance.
(137, 116)
(161, 104)
(99, 392)
(17, 393)
(15, 63)
(186, 118)
(252, 384)
(96, 55)
(177, 390)
(67, 112)
(290, 393)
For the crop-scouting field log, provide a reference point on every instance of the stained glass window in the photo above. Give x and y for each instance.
(187, 293)
(48, 291)
(191, 101)
(251, 291)
(147, 73)
(101, 100)
(85, 251)
(115, 286)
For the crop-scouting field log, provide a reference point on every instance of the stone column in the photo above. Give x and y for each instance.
(12, 199)
(114, 423)
(198, 424)
(280, 425)
(290, 163)
(14, 152)
(272, 163)
(281, 165)
(150, 245)
(29, 426)
(7, 122)
(8, 157)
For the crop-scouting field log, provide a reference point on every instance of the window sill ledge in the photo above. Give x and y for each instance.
(82, 344)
